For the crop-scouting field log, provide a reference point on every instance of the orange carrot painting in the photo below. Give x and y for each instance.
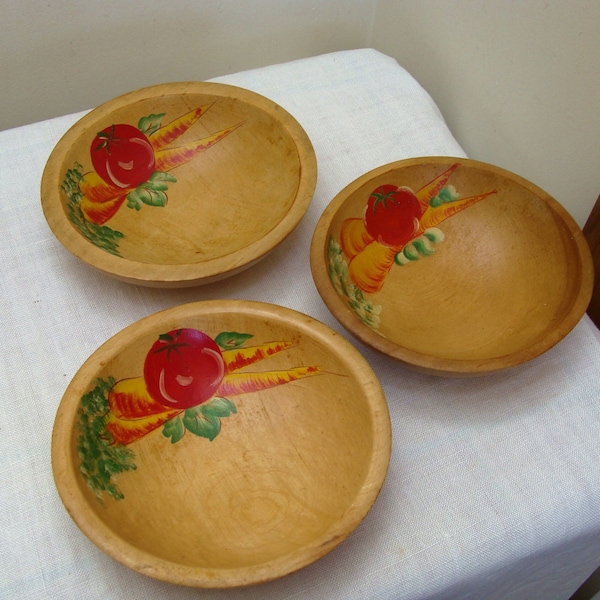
(398, 226)
(188, 379)
(132, 166)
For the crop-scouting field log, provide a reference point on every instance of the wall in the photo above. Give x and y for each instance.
(63, 56)
(517, 80)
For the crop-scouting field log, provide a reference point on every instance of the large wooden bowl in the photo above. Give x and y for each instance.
(195, 182)
(471, 270)
(274, 469)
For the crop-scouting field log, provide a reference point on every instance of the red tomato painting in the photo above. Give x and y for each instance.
(392, 215)
(122, 155)
(183, 368)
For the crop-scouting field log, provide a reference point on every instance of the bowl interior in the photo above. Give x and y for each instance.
(495, 283)
(290, 470)
(235, 174)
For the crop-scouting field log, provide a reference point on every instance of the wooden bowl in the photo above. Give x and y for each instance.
(280, 461)
(179, 184)
(470, 270)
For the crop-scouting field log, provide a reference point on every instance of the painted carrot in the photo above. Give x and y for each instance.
(238, 358)
(133, 412)
(169, 158)
(431, 189)
(243, 383)
(95, 189)
(434, 216)
(100, 212)
(109, 198)
(129, 399)
(354, 237)
(369, 267)
(168, 133)
(125, 431)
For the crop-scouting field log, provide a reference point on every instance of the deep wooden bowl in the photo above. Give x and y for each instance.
(471, 270)
(280, 461)
(195, 182)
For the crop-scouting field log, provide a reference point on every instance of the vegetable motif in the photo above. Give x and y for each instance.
(122, 156)
(132, 165)
(399, 226)
(392, 215)
(186, 381)
(183, 368)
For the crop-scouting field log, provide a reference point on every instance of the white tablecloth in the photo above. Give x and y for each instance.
(493, 489)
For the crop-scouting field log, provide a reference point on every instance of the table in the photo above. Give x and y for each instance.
(493, 489)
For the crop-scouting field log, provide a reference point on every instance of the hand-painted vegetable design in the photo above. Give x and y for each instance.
(183, 368)
(399, 225)
(122, 156)
(133, 163)
(187, 379)
(392, 215)
(132, 166)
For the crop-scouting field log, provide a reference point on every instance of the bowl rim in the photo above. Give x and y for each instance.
(66, 475)
(183, 274)
(433, 364)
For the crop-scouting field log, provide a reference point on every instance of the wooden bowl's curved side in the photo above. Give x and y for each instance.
(591, 230)
(264, 170)
(524, 293)
(332, 429)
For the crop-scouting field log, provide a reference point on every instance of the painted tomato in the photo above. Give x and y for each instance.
(183, 368)
(122, 155)
(392, 215)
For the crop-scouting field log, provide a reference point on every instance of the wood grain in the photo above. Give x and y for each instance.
(225, 207)
(512, 277)
(592, 234)
(286, 480)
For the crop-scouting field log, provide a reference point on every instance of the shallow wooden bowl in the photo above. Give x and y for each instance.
(280, 461)
(471, 270)
(195, 182)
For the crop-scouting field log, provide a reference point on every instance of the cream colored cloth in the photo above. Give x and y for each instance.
(493, 489)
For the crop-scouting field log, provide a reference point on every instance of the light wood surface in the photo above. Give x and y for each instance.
(224, 205)
(512, 276)
(592, 234)
(286, 478)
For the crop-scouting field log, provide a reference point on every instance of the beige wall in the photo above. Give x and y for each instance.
(517, 80)
(62, 56)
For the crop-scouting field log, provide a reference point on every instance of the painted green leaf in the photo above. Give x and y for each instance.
(100, 459)
(142, 195)
(150, 123)
(151, 192)
(196, 422)
(219, 407)
(156, 186)
(231, 339)
(101, 236)
(174, 429)
(153, 197)
(162, 177)
(145, 195)
(203, 421)
(340, 278)
(419, 247)
(445, 195)
(133, 201)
